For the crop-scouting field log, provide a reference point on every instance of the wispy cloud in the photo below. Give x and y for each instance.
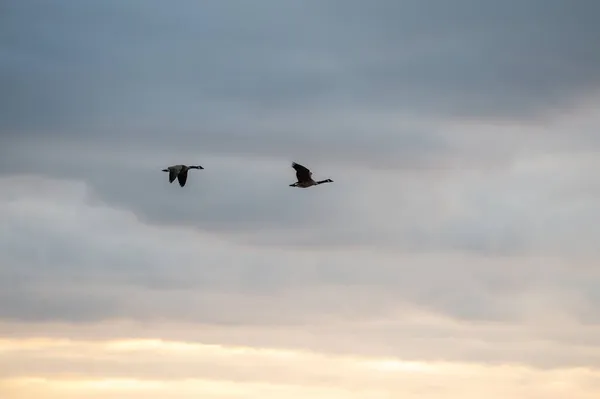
(154, 368)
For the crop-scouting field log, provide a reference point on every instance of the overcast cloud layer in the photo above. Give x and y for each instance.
(463, 223)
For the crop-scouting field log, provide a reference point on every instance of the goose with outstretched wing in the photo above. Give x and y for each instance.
(180, 172)
(304, 177)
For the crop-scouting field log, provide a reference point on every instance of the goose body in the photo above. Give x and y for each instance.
(180, 173)
(304, 177)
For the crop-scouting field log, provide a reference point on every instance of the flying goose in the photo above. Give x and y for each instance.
(304, 176)
(180, 172)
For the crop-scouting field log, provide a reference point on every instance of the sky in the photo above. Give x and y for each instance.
(454, 256)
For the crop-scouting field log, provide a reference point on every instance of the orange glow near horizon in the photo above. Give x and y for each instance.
(46, 368)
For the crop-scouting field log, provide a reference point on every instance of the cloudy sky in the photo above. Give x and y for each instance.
(455, 256)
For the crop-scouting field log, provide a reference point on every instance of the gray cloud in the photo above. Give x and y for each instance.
(57, 241)
(246, 77)
(458, 189)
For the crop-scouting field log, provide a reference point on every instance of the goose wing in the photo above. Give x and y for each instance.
(173, 172)
(302, 172)
(182, 177)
